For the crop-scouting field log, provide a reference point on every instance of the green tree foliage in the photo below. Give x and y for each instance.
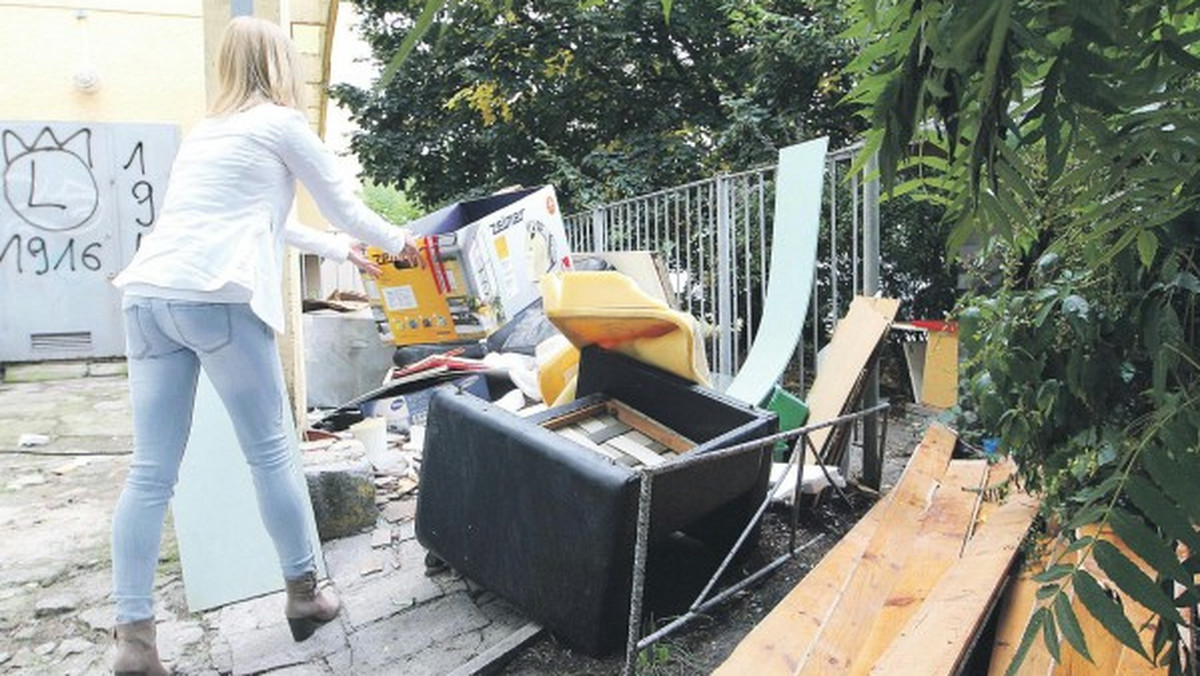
(602, 99)
(1065, 137)
(390, 203)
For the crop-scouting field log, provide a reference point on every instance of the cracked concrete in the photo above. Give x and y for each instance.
(56, 503)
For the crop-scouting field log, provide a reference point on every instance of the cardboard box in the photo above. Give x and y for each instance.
(429, 303)
(481, 260)
(404, 410)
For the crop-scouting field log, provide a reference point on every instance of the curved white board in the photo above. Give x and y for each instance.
(799, 181)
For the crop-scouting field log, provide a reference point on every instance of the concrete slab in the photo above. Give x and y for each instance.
(107, 368)
(43, 371)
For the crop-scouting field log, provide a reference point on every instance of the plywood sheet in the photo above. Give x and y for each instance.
(939, 386)
(854, 341)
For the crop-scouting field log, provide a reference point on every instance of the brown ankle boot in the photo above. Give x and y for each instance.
(137, 653)
(307, 606)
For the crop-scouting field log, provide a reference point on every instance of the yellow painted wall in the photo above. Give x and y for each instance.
(149, 55)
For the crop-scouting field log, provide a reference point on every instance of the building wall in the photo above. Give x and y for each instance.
(153, 61)
(154, 58)
(148, 55)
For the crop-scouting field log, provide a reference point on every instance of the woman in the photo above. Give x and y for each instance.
(204, 291)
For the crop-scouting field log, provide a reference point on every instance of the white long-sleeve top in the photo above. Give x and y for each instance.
(327, 245)
(224, 220)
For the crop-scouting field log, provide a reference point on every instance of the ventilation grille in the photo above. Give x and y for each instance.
(79, 341)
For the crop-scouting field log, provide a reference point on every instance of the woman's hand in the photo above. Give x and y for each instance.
(410, 255)
(358, 256)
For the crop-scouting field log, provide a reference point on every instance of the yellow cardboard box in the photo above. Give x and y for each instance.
(481, 262)
(428, 303)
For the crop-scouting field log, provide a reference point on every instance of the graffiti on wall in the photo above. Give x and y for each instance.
(75, 201)
(79, 198)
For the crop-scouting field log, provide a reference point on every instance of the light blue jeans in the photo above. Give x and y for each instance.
(167, 343)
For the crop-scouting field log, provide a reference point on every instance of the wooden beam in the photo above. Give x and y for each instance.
(784, 639)
(936, 638)
(937, 546)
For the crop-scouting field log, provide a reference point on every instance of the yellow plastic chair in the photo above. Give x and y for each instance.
(608, 309)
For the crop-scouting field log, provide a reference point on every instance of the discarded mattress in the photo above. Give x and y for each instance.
(549, 522)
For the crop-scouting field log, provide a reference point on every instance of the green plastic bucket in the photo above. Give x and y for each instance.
(792, 412)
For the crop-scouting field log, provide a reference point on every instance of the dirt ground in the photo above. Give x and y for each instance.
(700, 647)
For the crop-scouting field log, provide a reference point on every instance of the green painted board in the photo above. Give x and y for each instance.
(799, 182)
(224, 549)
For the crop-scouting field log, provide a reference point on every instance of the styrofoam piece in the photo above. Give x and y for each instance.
(812, 481)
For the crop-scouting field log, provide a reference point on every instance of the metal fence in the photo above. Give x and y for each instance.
(714, 237)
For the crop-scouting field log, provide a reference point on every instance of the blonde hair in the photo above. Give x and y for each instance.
(257, 64)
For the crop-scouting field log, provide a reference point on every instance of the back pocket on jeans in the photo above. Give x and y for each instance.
(204, 327)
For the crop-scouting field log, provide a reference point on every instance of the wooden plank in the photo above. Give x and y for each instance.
(782, 640)
(576, 435)
(1131, 663)
(616, 429)
(1016, 608)
(492, 660)
(1110, 656)
(841, 636)
(936, 637)
(1105, 650)
(776, 644)
(650, 444)
(1000, 475)
(937, 546)
(854, 340)
(639, 438)
(597, 421)
(574, 416)
(640, 453)
(780, 643)
(651, 427)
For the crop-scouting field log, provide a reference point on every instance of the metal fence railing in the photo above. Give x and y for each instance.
(714, 238)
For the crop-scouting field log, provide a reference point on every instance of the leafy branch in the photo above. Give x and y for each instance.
(1062, 139)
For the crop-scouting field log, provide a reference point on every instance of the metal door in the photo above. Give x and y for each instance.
(77, 198)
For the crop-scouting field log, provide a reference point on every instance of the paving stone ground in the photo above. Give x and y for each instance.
(56, 503)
